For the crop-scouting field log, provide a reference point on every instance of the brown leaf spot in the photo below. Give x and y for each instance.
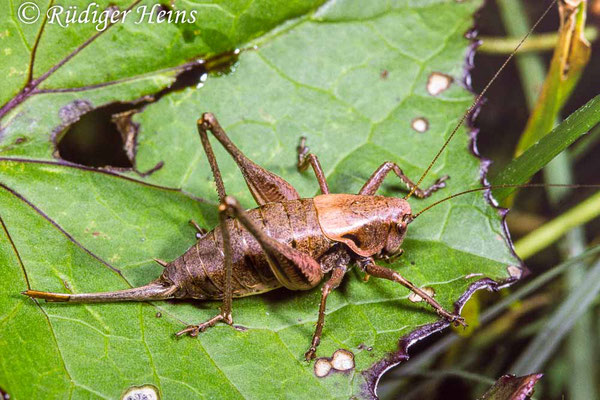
(342, 360)
(420, 124)
(514, 271)
(322, 367)
(438, 82)
(415, 298)
(145, 392)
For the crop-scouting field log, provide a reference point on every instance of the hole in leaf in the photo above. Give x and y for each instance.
(94, 139)
(91, 137)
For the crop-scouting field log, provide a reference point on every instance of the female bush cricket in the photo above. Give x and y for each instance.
(286, 241)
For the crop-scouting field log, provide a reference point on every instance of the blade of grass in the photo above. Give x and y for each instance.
(555, 229)
(581, 339)
(560, 170)
(423, 360)
(537, 156)
(581, 357)
(545, 343)
(583, 146)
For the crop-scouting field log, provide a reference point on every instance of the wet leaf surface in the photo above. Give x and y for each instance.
(350, 77)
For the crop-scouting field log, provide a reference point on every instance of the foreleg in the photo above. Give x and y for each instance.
(386, 273)
(375, 181)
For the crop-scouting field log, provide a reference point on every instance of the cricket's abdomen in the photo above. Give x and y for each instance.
(200, 271)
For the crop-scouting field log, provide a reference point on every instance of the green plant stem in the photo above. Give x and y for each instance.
(553, 230)
(535, 43)
(531, 67)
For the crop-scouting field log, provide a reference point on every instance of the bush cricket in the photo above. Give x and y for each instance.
(288, 241)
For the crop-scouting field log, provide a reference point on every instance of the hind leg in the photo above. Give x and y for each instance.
(265, 186)
(292, 268)
(226, 308)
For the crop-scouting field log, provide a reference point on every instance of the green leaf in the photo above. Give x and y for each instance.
(349, 76)
(77, 68)
(537, 156)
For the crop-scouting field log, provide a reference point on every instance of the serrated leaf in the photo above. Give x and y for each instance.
(352, 79)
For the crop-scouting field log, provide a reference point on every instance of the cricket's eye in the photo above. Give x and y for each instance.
(401, 227)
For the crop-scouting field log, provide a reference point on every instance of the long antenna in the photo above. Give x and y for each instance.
(477, 100)
(525, 185)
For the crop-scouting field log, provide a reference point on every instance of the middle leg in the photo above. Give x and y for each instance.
(373, 183)
(305, 158)
(336, 278)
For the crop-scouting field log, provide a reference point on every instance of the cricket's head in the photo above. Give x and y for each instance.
(368, 225)
(396, 235)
